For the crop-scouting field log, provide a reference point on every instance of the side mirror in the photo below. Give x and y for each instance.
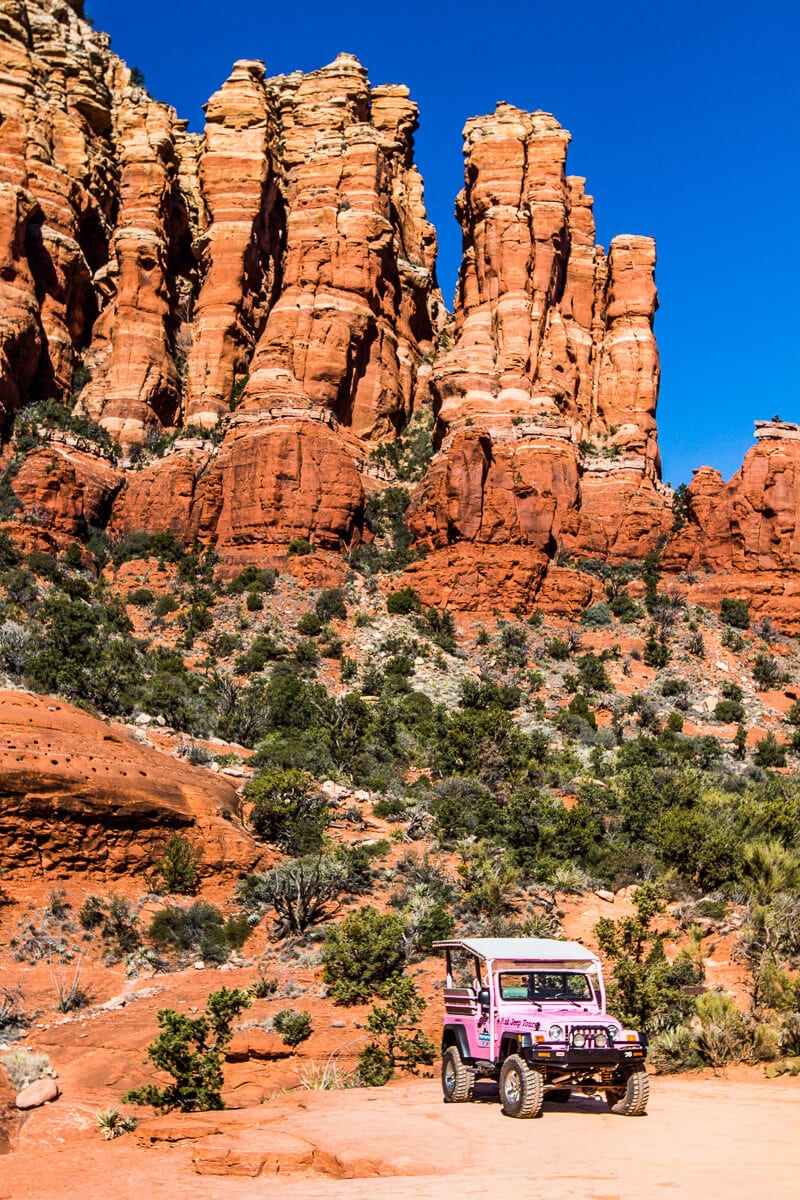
(484, 1000)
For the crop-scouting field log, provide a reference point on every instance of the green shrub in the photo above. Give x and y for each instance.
(299, 547)
(259, 579)
(405, 600)
(769, 752)
(597, 616)
(765, 672)
(656, 653)
(557, 649)
(190, 1049)
(732, 691)
(728, 711)
(362, 954)
(254, 602)
(330, 605)
(178, 871)
(201, 929)
(141, 544)
(164, 605)
(287, 810)
(302, 892)
(293, 1025)
(142, 597)
(735, 613)
(309, 624)
(400, 1042)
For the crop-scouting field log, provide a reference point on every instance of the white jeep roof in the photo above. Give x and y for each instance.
(522, 949)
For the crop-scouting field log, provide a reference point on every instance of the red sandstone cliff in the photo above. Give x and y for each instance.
(272, 282)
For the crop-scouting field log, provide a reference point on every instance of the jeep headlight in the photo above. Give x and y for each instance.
(613, 1031)
(555, 1033)
(579, 1040)
(601, 1039)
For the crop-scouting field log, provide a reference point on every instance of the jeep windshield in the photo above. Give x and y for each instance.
(541, 986)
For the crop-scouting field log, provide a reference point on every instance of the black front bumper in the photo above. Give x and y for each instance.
(568, 1058)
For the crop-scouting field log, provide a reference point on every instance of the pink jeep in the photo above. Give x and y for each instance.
(531, 1013)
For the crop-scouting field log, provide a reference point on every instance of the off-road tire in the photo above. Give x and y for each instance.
(521, 1088)
(631, 1101)
(458, 1078)
(558, 1096)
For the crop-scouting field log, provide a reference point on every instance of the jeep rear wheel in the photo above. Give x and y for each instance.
(630, 1100)
(521, 1088)
(458, 1078)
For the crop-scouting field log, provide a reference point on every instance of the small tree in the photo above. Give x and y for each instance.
(302, 892)
(294, 1025)
(190, 1050)
(287, 810)
(362, 955)
(765, 672)
(402, 1042)
(735, 613)
(331, 604)
(177, 873)
(769, 752)
(643, 989)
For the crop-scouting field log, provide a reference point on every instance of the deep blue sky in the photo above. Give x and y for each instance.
(684, 119)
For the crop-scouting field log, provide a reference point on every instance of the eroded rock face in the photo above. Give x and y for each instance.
(80, 795)
(272, 282)
(546, 398)
(280, 263)
(742, 539)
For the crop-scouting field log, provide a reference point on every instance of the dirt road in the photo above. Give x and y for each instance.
(702, 1139)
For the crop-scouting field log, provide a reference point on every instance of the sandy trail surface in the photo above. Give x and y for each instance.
(702, 1138)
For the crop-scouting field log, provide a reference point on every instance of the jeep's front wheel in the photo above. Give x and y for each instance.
(458, 1078)
(630, 1100)
(521, 1088)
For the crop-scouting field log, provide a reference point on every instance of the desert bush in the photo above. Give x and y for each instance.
(302, 892)
(398, 1039)
(200, 928)
(769, 752)
(674, 1050)
(728, 711)
(643, 990)
(405, 600)
(70, 993)
(293, 1025)
(112, 1123)
(723, 1034)
(330, 605)
(177, 873)
(190, 1049)
(13, 1017)
(512, 646)
(23, 1067)
(164, 605)
(309, 624)
(735, 613)
(142, 597)
(287, 810)
(259, 579)
(362, 954)
(766, 673)
(597, 616)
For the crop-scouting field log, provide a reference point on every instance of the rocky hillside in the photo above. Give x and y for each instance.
(238, 337)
